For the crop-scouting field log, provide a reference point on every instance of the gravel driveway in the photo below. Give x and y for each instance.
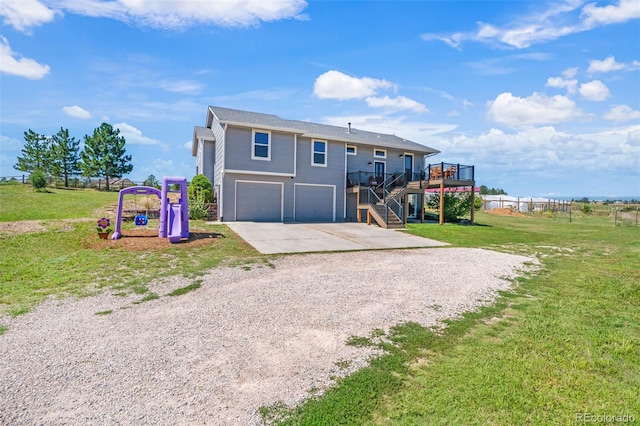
(246, 338)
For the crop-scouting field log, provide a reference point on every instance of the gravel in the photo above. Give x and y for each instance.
(248, 337)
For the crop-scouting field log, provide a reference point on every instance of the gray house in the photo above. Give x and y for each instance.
(265, 168)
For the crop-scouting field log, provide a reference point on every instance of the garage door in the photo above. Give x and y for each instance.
(314, 203)
(259, 201)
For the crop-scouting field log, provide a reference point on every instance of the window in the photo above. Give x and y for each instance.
(352, 150)
(260, 146)
(318, 153)
(380, 153)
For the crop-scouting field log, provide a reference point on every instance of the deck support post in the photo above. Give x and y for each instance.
(422, 207)
(441, 221)
(405, 209)
(473, 203)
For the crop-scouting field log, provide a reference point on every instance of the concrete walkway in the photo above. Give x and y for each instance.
(272, 238)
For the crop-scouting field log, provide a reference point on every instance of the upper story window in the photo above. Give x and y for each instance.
(352, 150)
(380, 153)
(319, 153)
(261, 145)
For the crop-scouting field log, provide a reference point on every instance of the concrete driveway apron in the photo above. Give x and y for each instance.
(273, 238)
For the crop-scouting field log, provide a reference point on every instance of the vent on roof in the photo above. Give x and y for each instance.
(349, 131)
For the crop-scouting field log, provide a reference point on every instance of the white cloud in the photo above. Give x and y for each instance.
(622, 113)
(187, 145)
(560, 82)
(535, 109)
(609, 64)
(77, 112)
(555, 20)
(594, 90)
(187, 13)
(134, 136)
(453, 113)
(10, 144)
(25, 14)
(624, 11)
(399, 103)
(180, 86)
(10, 63)
(336, 85)
(466, 103)
(569, 73)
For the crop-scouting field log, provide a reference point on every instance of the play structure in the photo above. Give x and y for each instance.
(174, 217)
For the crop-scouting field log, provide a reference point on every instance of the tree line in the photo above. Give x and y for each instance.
(103, 155)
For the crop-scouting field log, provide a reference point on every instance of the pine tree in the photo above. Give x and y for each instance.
(64, 155)
(35, 154)
(104, 154)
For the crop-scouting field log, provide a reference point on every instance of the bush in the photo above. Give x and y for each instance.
(38, 179)
(456, 205)
(200, 184)
(198, 207)
(586, 209)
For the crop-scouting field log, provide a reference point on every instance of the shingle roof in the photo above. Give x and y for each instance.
(238, 117)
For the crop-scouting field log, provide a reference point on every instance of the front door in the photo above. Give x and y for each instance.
(408, 167)
(378, 170)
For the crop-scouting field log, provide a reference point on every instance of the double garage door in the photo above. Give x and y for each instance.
(262, 202)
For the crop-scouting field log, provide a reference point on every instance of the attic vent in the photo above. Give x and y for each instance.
(349, 131)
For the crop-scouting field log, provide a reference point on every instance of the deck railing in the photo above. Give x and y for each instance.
(450, 171)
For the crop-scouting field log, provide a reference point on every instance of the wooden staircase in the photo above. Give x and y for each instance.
(377, 212)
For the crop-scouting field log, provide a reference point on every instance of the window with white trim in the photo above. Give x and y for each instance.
(261, 145)
(352, 150)
(319, 153)
(380, 153)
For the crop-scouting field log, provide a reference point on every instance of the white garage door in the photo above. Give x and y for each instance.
(259, 201)
(314, 203)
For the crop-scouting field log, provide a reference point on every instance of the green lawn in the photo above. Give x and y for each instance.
(565, 342)
(64, 260)
(20, 202)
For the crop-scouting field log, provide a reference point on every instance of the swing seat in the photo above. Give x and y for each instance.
(142, 220)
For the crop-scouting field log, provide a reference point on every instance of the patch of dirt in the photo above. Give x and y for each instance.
(148, 240)
(504, 212)
(29, 226)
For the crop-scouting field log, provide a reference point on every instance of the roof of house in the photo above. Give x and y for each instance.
(305, 128)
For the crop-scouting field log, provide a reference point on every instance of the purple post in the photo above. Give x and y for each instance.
(174, 217)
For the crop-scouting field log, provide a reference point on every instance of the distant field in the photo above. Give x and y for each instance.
(20, 202)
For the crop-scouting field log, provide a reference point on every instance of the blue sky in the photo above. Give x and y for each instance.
(542, 97)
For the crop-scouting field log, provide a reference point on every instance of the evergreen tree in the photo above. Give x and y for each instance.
(64, 155)
(104, 154)
(35, 154)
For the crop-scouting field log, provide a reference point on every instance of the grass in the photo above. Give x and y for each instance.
(20, 202)
(183, 290)
(565, 342)
(62, 260)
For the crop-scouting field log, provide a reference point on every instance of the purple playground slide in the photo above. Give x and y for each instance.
(174, 228)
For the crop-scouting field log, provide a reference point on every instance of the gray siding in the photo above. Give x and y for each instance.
(218, 168)
(238, 152)
(333, 174)
(208, 159)
(228, 211)
(393, 161)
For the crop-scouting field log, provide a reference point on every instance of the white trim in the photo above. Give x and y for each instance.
(295, 154)
(355, 149)
(326, 153)
(235, 198)
(253, 145)
(258, 173)
(379, 156)
(314, 184)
